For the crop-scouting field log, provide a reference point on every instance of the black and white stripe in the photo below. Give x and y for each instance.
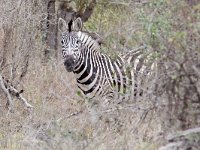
(96, 73)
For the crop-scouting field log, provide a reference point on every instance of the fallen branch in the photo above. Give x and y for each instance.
(14, 92)
(188, 139)
(10, 91)
(6, 91)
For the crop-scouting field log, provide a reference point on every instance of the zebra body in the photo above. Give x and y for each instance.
(96, 73)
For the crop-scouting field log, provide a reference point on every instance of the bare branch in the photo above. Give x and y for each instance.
(9, 90)
(6, 91)
(16, 93)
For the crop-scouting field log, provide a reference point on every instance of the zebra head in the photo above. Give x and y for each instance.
(71, 44)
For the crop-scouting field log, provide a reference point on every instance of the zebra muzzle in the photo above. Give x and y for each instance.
(69, 63)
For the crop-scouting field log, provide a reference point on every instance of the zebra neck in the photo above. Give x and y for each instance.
(88, 41)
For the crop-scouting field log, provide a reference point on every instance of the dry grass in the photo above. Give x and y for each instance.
(61, 118)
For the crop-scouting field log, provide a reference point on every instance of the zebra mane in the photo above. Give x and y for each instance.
(70, 25)
(84, 35)
(95, 37)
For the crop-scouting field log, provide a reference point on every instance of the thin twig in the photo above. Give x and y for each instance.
(69, 116)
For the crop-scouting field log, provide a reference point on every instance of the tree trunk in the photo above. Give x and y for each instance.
(51, 30)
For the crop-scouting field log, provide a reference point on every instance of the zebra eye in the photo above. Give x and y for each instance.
(62, 42)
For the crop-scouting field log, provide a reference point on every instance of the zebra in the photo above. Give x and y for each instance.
(97, 74)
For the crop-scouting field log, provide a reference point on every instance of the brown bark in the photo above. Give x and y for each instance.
(51, 30)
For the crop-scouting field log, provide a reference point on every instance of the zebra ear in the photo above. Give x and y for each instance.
(77, 24)
(62, 25)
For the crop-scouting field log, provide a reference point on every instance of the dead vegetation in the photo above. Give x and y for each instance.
(61, 117)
